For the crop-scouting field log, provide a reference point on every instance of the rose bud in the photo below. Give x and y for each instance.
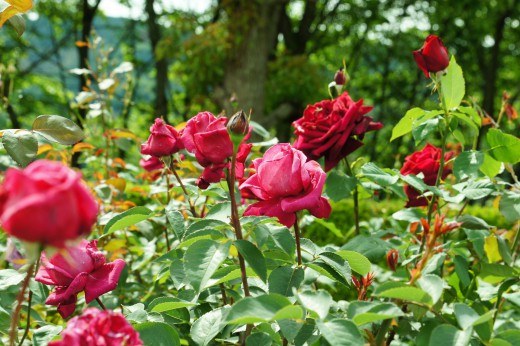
(433, 56)
(238, 124)
(339, 77)
(392, 258)
(163, 141)
(46, 203)
(76, 269)
(97, 327)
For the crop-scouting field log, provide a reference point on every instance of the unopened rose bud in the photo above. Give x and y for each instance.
(392, 258)
(238, 123)
(339, 77)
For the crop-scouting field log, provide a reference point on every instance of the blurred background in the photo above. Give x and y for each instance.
(271, 56)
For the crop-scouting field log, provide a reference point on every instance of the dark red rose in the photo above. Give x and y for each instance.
(285, 182)
(333, 129)
(163, 141)
(46, 203)
(433, 56)
(95, 327)
(76, 269)
(426, 161)
(207, 137)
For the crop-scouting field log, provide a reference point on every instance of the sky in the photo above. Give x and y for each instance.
(114, 8)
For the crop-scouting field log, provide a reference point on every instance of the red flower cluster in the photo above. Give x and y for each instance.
(285, 182)
(95, 328)
(426, 161)
(333, 129)
(46, 203)
(76, 269)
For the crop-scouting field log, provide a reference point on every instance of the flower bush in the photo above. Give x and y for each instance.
(219, 254)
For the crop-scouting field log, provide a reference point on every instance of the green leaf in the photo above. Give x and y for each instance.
(59, 129)
(465, 315)
(21, 145)
(220, 212)
(448, 335)
(433, 285)
(363, 312)
(283, 279)
(341, 332)
(468, 121)
(493, 273)
(208, 326)
(510, 206)
(318, 301)
(202, 259)
(282, 238)
(424, 130)
(226, 275)
(377, 175)
(176, 221)
(411, 119)
(42, 336)
(339, 265)
(259, 339)
(371, 247)
(163, 304)
(490, 167)
(407, 293)
(359, 263)
(18, 23)
(256, 309)
(503, 147)
(476, 189)
(10, 277)
(462, 270)
(294, 312)
(505, 252)
(452, 85)
(339, 186)
(289, 329)
(127, 219)
(253, 257)
(158, 334)
(467, 164)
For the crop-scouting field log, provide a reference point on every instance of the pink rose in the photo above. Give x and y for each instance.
(433, 56)
(76, 269)
(333, 129)
(163, 141)
(426, 161)
(95, 327)
(285, 183)
(207, 137)
(46, 203)
(152, 164)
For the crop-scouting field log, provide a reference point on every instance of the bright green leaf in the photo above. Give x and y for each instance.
(21, 145)
(158, 334)
(202, 259)
(59, 129)
(127, 219)
(254, 257)
(341, 332)
(503, 147)
(452, 85)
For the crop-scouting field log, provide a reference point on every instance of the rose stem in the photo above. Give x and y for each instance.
(14, 321)
(231, 177)
(223, 291)
(380, 337)
(101, 303)
(192, 208)
(28, 325)
(297, 237)
(167, 176)
(355, 196)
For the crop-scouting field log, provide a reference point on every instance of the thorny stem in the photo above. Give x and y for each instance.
(355, 196)
(192, 208)
(297, 237)
(19, 299)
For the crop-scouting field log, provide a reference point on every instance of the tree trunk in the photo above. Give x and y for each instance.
(161, 64)
(246, 68)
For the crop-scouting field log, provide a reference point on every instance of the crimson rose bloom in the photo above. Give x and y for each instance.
(426, 161)
(433, 56)
(163, 141)
(207, 137)
(46, 203)
(285, 182)
(333, 129)
(76, 269)
(95, 327)
(151, 164)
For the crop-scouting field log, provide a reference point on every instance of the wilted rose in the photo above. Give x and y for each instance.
(163, 140)
(207, 137)
(433, 56)
(46, 203)
(426, 161)
(75, 269)
(285, 183)
(95, 327)
(333, 129)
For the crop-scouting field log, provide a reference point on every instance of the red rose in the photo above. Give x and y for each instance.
(46, 203)
(285, 182)
(151, 164)
(207, 137)
(433, 56)
(163, 141)
(426, 161)
(333, 129)
(95, 327)
(76, 269)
